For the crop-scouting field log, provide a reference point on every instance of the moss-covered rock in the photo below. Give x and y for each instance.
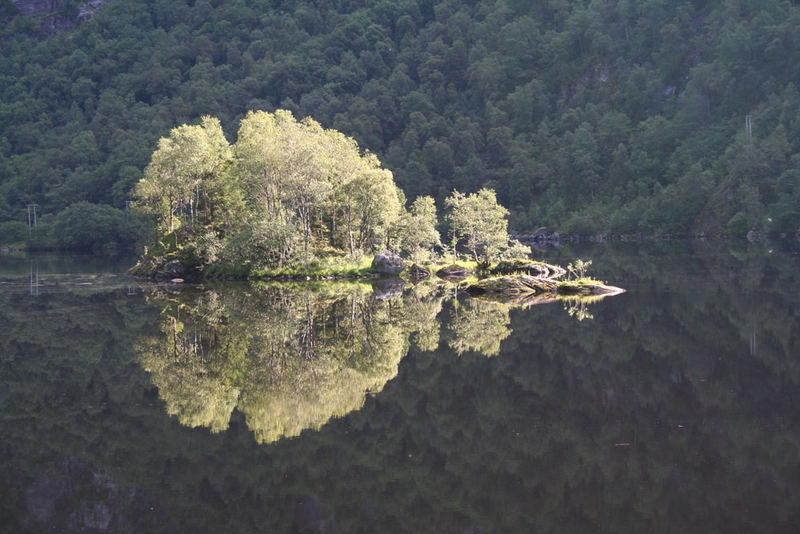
(513, 285)
(523, 284)
(530, 267)
(586, 288)
(388, 263)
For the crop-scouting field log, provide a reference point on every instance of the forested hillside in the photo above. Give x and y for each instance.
(585, 116)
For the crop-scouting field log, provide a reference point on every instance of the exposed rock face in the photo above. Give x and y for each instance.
(54, 16)
(589, 290)
(171, 269)
(522, 284)
(30, 7)
(76, 496)
(387, 262)
(87, 9)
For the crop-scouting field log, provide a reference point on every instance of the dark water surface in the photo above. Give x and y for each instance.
(674, 407)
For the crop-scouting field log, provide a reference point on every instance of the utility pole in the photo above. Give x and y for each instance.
(31, 221)
(748, 127)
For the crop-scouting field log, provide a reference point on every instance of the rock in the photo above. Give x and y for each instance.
(533, 268)
(387, 262)
(453, 272)
(171, 269)
(417, 273)
(588, 289)
(512, 285)
(53, 16)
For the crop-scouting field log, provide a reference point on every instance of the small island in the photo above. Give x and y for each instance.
(291, 200)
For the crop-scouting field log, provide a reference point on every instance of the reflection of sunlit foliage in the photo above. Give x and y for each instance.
(291, 357)
(458, 445)
(480, 326)
(194, 361)
(288, 358)
(341, 351)
(578, 307)
(193, 376)
(296, 394)
(421, 307)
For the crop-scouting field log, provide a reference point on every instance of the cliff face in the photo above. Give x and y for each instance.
(31, 7)
(56, 15)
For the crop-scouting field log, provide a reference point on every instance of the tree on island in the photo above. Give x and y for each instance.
(289, 192)
(284, 190)
(186, 177)
(481, 224)
(298, 173)
(417, 236)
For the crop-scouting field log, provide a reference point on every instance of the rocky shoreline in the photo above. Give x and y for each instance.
(507, 279)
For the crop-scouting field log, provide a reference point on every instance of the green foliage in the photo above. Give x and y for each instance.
(183, 182)
(307, 190)
(479, 326)
(13, 232)
(587, 117)
(515, 250)
(263, 244)
(578, 268)
(416, 232)
(90, 227)
(480, 223)
(290, 359)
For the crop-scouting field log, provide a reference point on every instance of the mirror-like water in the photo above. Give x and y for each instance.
(243, 407)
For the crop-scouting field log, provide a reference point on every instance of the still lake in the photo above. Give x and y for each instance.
(343, 407)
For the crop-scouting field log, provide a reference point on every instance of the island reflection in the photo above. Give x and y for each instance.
(292, 356)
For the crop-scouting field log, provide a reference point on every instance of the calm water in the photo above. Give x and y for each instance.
(674, 407)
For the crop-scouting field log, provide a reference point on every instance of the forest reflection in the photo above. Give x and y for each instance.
(291, 357)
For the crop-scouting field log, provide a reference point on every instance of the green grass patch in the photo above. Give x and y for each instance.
(327, 266)
(579, 286)
(580, 282)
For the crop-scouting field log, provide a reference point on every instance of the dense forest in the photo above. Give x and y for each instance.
(589, 116)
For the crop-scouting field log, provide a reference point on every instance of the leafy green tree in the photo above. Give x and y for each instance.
(479, 223)
(299, 171)
(416, 232)
(86, 226)
(184, 175)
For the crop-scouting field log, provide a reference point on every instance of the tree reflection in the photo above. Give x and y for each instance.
(292, 357)
(287, 358)
(480, 326)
